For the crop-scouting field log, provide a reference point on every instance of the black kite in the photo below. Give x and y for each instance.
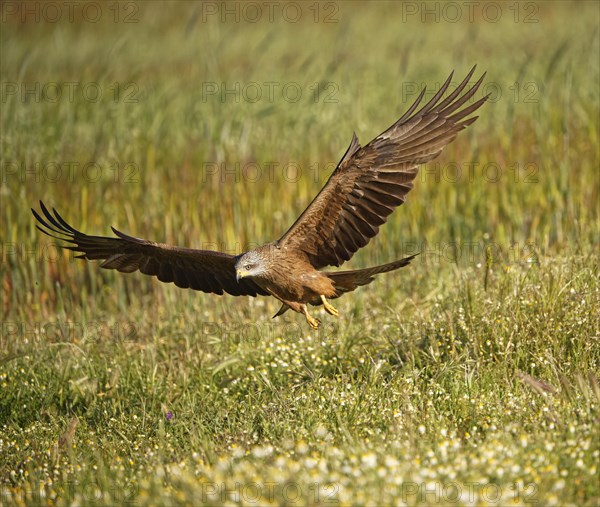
(368, 183)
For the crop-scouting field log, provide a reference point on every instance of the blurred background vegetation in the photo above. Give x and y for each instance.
(213, 125)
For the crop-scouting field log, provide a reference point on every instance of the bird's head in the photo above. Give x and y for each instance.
(249, 265)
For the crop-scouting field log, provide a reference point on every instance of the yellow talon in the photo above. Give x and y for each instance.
(312, 322)
(328, 308)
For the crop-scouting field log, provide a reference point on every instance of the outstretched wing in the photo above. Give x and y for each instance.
(202, 270)
(371, 181)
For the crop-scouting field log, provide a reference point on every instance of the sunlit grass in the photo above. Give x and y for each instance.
(470, 377)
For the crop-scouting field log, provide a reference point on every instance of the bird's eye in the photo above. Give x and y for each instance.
(248, 267)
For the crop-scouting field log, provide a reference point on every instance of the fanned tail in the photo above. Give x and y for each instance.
(347, 281)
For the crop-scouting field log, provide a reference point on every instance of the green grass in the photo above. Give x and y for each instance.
(470, 377)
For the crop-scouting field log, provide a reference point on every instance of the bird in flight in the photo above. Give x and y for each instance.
(368, 184)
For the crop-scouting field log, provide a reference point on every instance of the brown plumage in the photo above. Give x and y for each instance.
(367, 185)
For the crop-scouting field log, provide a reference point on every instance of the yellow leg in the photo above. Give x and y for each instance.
(328, 308)
(312, 322)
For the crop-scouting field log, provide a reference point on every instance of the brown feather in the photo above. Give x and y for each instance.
(202, 270)
(365, 188)
(370, 181)
(347, 281)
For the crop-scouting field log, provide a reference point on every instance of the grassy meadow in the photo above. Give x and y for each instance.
(470, 377)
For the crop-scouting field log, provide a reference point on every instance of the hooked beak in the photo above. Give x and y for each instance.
(240, 273)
